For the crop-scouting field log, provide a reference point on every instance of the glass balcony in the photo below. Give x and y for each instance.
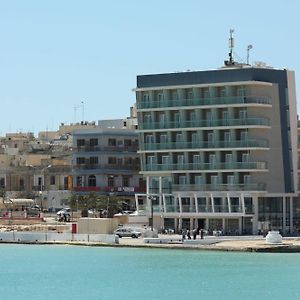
(207, 166)
(204, 101)
(172, 208)
(219, 187)
(206, 123)
(250, 143)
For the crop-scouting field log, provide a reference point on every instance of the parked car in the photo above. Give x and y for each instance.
(127, 232)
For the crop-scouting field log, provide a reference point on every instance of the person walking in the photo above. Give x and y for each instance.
(194, 233)
(188, 234)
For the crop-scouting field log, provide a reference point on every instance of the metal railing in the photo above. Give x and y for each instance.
(207, 166)
(205, 123)
(249, 143)
(204, 101)
(220, 187)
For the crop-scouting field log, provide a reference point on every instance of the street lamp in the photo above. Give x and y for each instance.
(41, 186)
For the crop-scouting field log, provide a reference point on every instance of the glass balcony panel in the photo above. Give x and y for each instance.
(188, 208)
(221, 208)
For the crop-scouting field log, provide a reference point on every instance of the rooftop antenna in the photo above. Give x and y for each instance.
(249, 47)
(82, 107)
(230, 62)
(231, 46)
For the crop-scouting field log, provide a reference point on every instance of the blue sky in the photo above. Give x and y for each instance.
(56, 54)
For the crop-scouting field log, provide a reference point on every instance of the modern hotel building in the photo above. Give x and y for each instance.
(219, 149)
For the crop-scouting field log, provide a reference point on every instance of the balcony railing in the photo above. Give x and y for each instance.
(132, 148)
(203, 101)
(108, 166)
(219, 187)
(207, 166)
(201, 209)
(250, 143)
(205, 123)
(107, 189)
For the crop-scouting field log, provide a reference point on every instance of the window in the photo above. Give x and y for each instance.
(127, 143)
(182, 179)
(112, 142)
(150, 139)
(147, 118)
(112, 160)
(230, 179)
(197, 159)
(92, 180)
(165, 160)
(66, 183)
(146, 97)
(40, 181)
(111, 181)
(180, 160)
(128, 160)
(80, 160)
(2, 183)
(177, 117)
(162, 120)
(228, 158)
(94, 160)
(241, 91)
(79, 181)
(80, 143)
(160, 97)
(163, 139)
(179, 138)
(199, 180)
(126, 181)
(52, 180)
(93, 142)
(22, 183)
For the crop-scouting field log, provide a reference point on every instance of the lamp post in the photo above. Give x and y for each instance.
(41, 186)
(151, 198)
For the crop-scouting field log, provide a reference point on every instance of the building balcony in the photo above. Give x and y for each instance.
(218, 187)
(204, 102)
(207, 166)
(250, 143)
(86, 188)
(133, 167)
(107, 189)
(121, 148)
(206, 123)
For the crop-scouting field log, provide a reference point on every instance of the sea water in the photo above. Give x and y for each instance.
(73, 272)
